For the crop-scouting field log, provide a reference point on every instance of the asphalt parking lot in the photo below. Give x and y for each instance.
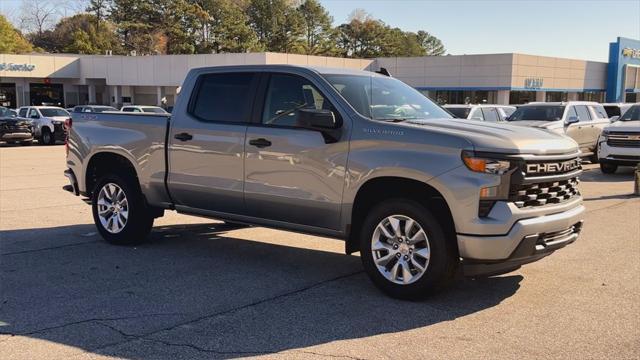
(200, 289)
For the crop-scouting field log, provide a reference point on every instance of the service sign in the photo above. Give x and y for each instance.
(16, 67)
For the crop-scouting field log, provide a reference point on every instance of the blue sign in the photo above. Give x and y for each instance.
(622, 53)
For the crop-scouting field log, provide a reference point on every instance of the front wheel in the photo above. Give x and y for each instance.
(120, 212)
(46, 137)
(608, 168)
(404, 250)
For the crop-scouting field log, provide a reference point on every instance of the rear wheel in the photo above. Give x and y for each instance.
(608, 168)
(120, 212)
(405, 251)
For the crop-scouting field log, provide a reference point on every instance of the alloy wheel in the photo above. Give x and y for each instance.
(400, 249)
(113, 208)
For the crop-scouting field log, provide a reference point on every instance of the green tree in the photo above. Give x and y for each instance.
(431, 44)
(318, 33)
(99, 8)
(137, 24)
(278, 25)
(77, 34)
(181, 20)
(362, 38)
(226, 28)
(11, 41)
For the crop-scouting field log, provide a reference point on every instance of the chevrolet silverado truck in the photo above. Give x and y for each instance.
(347, 154)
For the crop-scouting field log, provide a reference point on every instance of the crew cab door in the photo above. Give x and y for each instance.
(206, 143)
(574, 130)
(294, 174)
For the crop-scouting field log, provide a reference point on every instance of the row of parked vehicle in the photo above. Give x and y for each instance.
(606, 133)
(47, 123)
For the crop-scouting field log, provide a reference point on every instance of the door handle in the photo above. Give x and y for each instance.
(260, 143)
(183, 136)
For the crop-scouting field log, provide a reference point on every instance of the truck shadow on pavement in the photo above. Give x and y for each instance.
(200, 291)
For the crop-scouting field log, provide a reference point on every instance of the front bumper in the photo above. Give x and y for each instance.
(618, 155)
(527, 241)
(16, 136)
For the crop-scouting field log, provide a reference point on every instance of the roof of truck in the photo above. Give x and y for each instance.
(318, 69)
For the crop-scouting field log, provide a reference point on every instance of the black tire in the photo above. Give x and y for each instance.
(26, 143)
(46, 137)
(140, 219)
(608, 168)
(443, 261)
(594, 158)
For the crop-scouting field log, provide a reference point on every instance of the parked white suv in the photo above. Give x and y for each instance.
(582, 121)
(484, 112)
(143, 109)
(619, 144)
(47, 122)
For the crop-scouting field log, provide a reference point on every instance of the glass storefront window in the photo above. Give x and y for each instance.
(597, 96)
(8, 95)
(46, 94)
(465, 97)
(556, 96)
(521, 97)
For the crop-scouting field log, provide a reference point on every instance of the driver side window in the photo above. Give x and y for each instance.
(286, 95)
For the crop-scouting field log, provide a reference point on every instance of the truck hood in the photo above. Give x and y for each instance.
(630, 126)
(534, 123)
(500, 137)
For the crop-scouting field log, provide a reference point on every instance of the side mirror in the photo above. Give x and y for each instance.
(614, 118)
(317, 119)
(322, 120)
(572, 120)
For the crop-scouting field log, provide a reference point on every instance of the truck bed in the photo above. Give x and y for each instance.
(139, 137)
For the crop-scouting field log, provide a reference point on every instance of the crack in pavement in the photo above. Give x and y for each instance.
(620, 203)
(49, 248)
(96, 320)
(143, 337)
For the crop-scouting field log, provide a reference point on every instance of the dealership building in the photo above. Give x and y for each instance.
(512, 78)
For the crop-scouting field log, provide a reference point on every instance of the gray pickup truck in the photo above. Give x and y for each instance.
(353, 155)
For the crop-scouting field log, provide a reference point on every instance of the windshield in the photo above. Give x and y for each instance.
(538, 113)
(459, 112)
(380, 98)
(612, 110)
(155, 110)
(51, 112)
(4, 112)
(632, 114)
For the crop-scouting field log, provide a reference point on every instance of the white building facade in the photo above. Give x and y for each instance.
(68, 80)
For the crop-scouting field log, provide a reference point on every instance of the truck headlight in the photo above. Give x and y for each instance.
(484, 164)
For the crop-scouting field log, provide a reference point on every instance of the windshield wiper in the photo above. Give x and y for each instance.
(395, 120)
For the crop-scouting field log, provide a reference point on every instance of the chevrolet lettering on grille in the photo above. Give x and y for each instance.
(554, 167)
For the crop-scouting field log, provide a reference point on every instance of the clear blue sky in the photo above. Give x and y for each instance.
(580, 29)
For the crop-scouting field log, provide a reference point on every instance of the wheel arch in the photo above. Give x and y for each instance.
(369, 194)
(105, 162)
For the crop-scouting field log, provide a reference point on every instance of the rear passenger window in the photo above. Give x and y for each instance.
(583, 113)
(22, 112)
(490, 114)
(223, 97)
(600, 111)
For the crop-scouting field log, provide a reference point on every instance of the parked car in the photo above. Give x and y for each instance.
(616, 109)
(582, 121)
(93, 108)
(341, 153)
(47, 122)
(14, 129)
(143, 109)
(483, 112)
(619, 143)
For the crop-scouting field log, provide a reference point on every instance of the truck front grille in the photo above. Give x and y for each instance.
(624, 139)
(538, 194)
